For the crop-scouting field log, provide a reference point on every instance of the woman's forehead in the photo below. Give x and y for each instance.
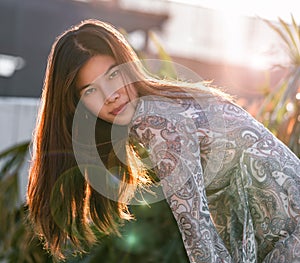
(93, 68)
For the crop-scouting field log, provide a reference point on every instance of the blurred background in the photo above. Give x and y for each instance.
(251, 49)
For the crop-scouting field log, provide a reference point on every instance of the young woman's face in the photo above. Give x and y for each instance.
(101, 87)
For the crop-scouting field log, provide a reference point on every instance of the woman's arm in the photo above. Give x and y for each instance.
(174, 151)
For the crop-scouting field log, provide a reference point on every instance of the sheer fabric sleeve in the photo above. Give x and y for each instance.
(174, 151)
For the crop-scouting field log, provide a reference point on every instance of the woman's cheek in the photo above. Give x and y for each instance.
(94, 106)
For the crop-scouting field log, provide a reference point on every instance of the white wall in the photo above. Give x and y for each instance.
(17, 121)
(214, 31)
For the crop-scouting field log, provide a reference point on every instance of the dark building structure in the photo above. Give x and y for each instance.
(28, 29)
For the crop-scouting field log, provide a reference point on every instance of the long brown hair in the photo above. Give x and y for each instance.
(62, 204)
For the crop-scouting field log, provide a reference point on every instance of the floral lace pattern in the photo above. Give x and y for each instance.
(233, 188)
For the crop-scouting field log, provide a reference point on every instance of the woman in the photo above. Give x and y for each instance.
(232, 186)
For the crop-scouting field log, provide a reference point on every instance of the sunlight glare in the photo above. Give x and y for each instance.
(290, 107)
(258, 62)
(268, 9)
(131, 240)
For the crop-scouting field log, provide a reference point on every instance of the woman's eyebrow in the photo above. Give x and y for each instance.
(108, 70)
(84, 87)
(104, 74)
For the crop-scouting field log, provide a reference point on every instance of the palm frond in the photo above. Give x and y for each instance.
(274, 114)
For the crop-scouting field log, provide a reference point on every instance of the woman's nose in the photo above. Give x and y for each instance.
(112, 98)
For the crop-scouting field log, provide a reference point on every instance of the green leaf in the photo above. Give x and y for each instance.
(292, 42)
(296, 27)
(278, 31)
(21, 148)
(167, 68)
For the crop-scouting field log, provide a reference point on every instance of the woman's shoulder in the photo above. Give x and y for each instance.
(175, 108)
(159, 106)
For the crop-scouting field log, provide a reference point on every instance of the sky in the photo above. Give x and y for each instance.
(268, 9)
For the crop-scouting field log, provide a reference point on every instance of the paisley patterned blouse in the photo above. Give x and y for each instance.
(233, 188)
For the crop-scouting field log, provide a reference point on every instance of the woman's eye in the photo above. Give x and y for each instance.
(114, 74)
(89, 91)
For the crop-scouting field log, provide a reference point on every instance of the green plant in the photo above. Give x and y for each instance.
(17, 241)
(280, 111)
(152, 237)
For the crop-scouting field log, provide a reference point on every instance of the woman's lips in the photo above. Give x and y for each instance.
(119, 109)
